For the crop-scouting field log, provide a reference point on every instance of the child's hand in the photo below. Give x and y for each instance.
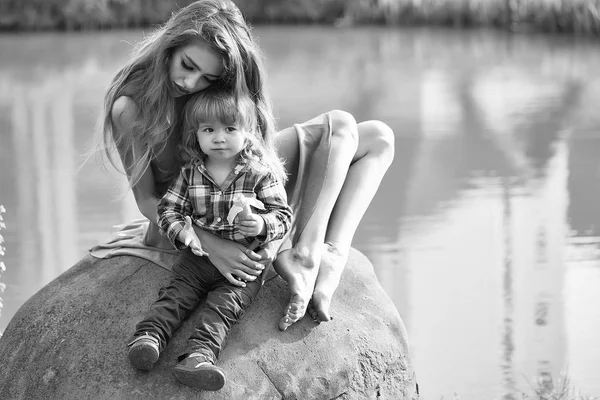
(248, 223)
(188, 237)
(251, 225)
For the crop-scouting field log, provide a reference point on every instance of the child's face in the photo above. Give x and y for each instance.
(221, 141)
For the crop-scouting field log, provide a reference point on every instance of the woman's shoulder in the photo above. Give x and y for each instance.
(123, 112)
(258, 168)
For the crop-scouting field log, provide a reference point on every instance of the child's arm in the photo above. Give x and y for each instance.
(174, 219)
(188, 237)
(275, 221)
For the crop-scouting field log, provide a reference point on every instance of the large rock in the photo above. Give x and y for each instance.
(69, 342)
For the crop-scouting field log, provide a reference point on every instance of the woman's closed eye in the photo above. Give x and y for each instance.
(187, 66)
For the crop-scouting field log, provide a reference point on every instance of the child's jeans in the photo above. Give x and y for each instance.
(193, 278)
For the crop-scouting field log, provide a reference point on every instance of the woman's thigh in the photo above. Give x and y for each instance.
(288, 148)
(289, 141)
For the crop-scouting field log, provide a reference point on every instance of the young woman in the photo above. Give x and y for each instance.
(334, 165)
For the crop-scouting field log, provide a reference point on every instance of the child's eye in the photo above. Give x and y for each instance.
(231, 129)
(207, 130)
(186, 65)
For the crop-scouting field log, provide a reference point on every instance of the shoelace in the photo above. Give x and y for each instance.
(147, 336)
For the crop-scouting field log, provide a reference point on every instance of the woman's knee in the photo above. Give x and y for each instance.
(344, 127)
(377, 139)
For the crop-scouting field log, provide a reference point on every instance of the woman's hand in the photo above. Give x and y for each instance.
(268, 252)
(233, 260)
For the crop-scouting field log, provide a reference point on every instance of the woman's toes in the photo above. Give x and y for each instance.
(294, 311)
(324, 316)
(287, 320)
(320, 304)
(285, 323)
(313, 312)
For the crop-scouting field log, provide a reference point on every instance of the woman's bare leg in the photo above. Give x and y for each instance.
(299, 266)
(371, 161)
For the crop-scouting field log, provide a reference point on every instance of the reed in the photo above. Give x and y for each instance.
(570, 16)
(581, 17)
(547, 388)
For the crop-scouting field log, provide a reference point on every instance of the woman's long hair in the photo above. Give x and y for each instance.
(216, 104)
(145, 79)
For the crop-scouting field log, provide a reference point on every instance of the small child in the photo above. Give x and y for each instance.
(228, 166)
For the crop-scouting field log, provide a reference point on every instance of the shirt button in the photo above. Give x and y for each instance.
(218, 219)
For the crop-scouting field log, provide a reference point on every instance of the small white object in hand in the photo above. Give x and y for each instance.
(239, 203)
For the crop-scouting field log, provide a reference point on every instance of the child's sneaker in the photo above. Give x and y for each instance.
(197, 372)
(143, 351)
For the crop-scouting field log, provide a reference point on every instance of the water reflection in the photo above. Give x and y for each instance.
(43, 128)
(484, 232)
(48, 110)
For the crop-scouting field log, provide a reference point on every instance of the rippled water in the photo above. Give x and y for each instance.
(485, 231)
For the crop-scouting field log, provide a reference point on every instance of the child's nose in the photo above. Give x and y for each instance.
(219, 137)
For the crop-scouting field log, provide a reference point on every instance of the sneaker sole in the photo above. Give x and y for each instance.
(204, 377)
(142, 358)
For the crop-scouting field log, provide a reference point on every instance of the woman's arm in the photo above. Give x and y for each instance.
(123, 114)
(229, 257)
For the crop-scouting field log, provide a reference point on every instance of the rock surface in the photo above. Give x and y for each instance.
(69, 342)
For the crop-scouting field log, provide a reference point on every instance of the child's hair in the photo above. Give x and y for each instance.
(145, 79)
(217, 104)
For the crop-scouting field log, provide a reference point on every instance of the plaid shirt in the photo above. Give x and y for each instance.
(196, 194)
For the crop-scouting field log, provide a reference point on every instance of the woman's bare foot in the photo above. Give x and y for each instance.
(333, 262)
(299, 268)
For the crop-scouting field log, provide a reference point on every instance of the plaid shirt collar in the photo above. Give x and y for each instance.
(241, 166)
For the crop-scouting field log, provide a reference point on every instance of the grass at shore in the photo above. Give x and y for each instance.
(573, 16)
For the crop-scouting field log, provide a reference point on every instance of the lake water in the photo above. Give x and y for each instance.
(484, 233)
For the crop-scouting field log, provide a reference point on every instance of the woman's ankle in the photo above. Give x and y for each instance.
(306, 257)
(337, 248)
